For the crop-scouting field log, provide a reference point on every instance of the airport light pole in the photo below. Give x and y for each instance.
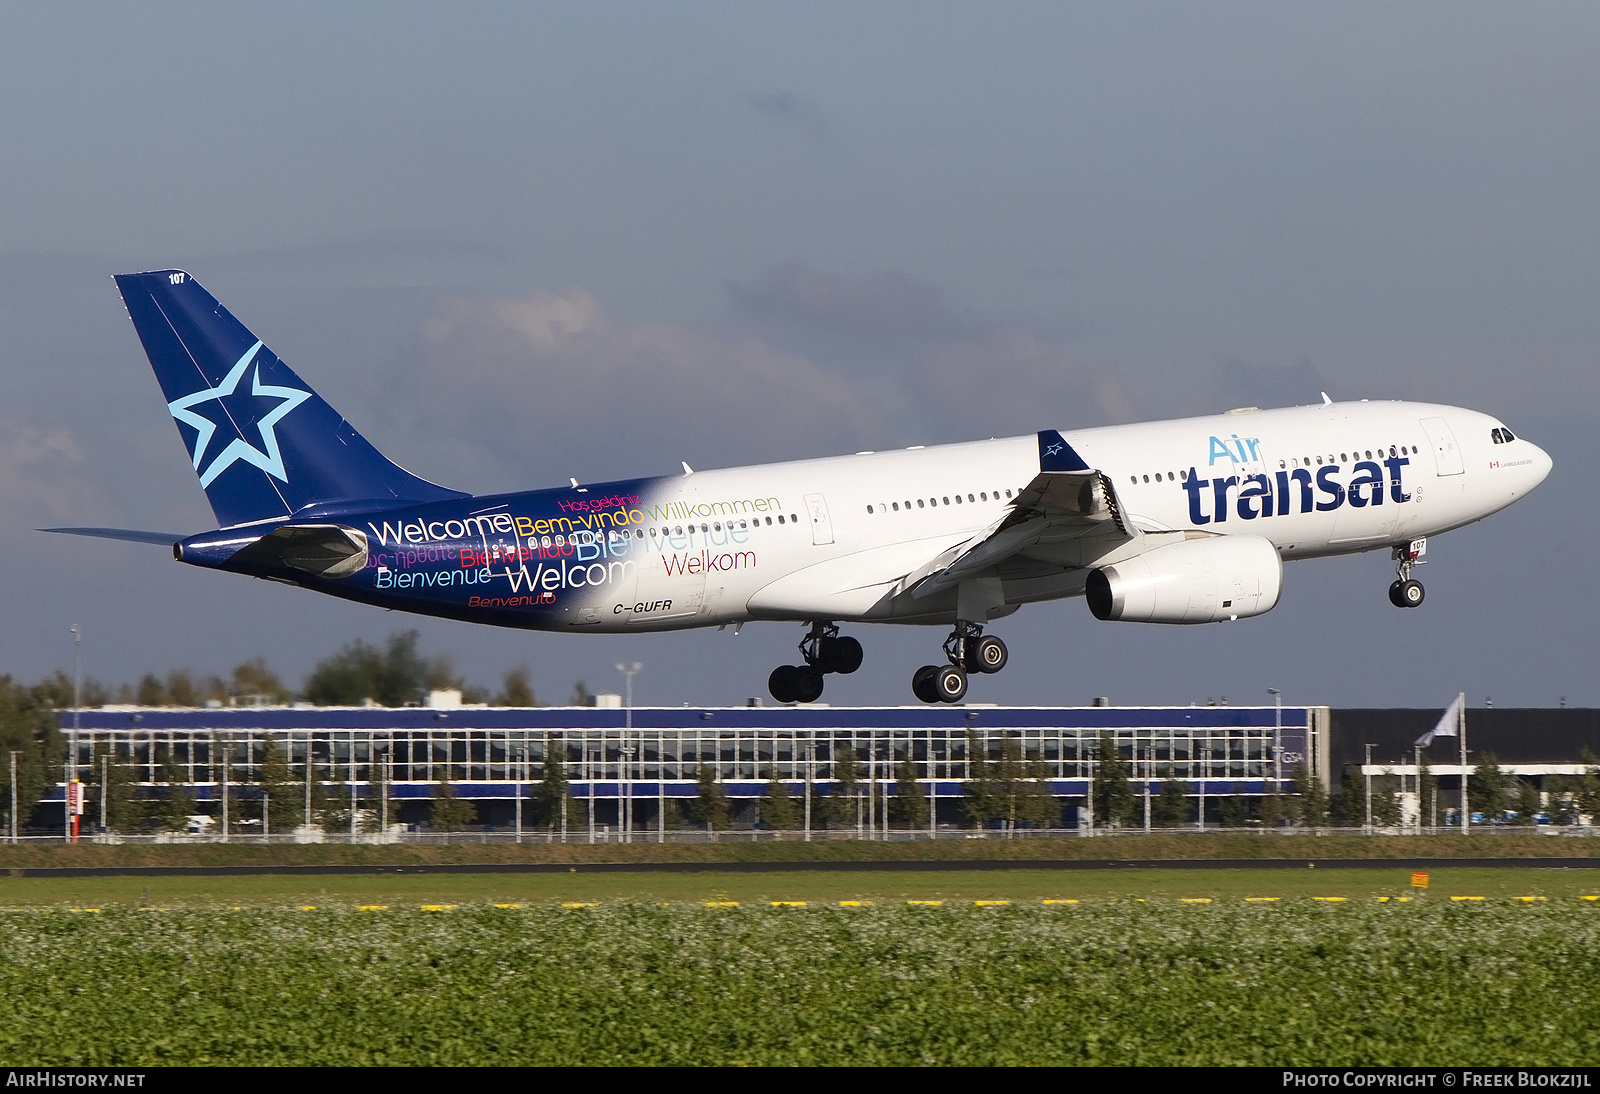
(1366, 773)
(1277, 741)
(628, 671)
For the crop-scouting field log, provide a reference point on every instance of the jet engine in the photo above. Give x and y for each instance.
(1196, 581)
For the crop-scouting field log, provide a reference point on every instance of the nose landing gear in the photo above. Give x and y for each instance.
(1406, 592)
(968, 650)
(824, 650)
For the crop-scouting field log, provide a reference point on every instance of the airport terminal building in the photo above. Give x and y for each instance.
(624, 766)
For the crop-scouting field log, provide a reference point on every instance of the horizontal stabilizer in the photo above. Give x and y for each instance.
(132, 535)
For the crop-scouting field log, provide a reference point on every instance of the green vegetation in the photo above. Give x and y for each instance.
(1153, 983)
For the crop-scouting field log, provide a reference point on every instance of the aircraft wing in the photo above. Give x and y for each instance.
(1068, 516)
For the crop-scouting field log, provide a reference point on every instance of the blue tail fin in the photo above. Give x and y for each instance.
(263, 443)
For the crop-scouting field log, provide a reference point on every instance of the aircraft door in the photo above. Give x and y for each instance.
(821, 526)
(1445, 452)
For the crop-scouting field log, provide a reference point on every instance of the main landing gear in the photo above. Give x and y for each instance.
(1407, 592)
(969, 650)
(824, 650)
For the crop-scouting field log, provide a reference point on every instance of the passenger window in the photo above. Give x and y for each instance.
(896, 506)
(869, 510)
(920, 504)
(1343, 458)
(780, 518)
(1008, 493)
(958, 499)
(971, 498)
(1134, 479)
(947, 501)
(1147, 478)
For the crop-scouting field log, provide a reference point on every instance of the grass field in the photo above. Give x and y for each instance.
(737, 847)
(346, 891)
(1428, 982)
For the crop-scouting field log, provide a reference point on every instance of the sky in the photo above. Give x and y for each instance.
(517, 243)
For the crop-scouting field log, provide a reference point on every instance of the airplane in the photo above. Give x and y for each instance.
(1180, 522)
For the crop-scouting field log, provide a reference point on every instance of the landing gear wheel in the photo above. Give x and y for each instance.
(923, 686)
(841, 655)
(1411, 594)
(951, 684)
(987, 654)
(781, 683)
(1394, 593)
(807, 684)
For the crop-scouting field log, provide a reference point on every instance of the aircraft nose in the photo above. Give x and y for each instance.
(1542, 465)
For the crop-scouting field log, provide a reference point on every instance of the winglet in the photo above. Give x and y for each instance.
(1055, 454)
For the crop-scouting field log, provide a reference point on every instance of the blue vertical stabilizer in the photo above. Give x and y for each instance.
(263, 443)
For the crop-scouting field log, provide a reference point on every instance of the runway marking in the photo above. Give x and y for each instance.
(990, 903)
(788, 903)
(722, 904)
(1059, 902)
(1528, 898)
(926, 903)
(1330, 899)
(437, 907)
(1197, 900)
(308, 907)
(372, 907)
(580, 904)
(1260, 899)
(1466, 898)
(508, 905)
(855, 903)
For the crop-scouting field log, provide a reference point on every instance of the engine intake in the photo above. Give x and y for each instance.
(1196, 581)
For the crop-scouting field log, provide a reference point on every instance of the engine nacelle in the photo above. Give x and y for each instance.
(1196, 581)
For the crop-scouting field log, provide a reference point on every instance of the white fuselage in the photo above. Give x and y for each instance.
(854, 527)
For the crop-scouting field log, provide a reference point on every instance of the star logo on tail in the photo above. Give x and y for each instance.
(267, 457)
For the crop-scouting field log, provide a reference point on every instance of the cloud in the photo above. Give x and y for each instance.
(1244, 383)
(37, 471)
(528, 390)
(885, 316)
(787, 110)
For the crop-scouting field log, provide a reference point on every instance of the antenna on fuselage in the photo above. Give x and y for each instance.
(1325, 400)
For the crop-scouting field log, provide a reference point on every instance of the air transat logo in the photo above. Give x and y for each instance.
(235, 406)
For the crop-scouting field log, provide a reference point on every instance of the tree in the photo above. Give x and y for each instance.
(842, 806)
(175, 805)
(284, 797)
(581, 695)
(254, 684)
(549, 800)
(1234, 811)
(710, 807)
(334, 816)
(391, 677)
(1114, 801)
(1486, 793)
(980, 795)
(1587, 796)
(1527, 801)
(1171, 806)
(28, 727)
(777, 807)
(1312, 805)
(448, 813)
(1385, 802)
(909, 805)
(116, 784)
(1427, 794)
(1352, 804)
(1271, 810)
(516, 690)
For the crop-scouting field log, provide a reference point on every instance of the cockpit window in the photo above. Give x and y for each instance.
(1506, 433)
(1494, 435)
